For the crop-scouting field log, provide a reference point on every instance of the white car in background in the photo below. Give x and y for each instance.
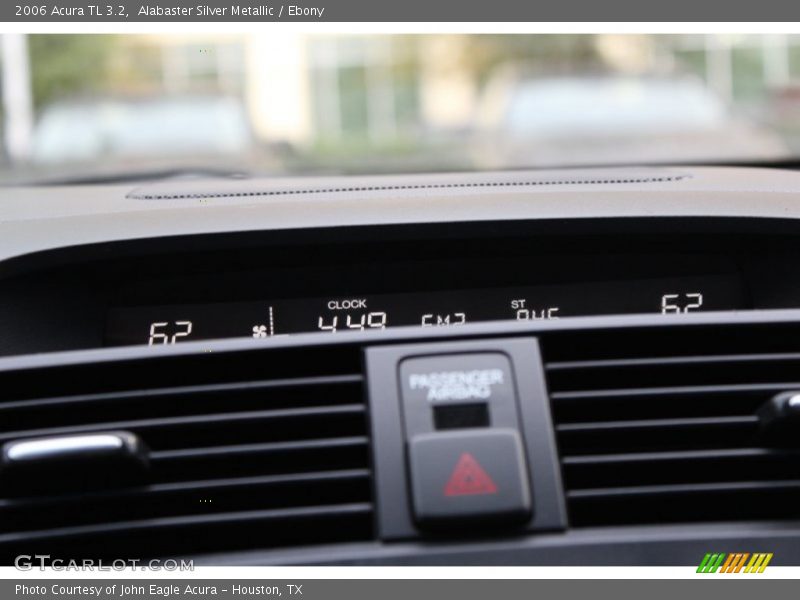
(603, 119)
(182, 134)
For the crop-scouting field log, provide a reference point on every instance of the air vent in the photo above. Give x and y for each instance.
(659, 425)
(247, 449)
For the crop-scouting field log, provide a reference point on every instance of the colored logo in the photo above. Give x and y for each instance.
(735, 562)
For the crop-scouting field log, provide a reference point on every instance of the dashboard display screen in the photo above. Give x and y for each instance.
(175, 323)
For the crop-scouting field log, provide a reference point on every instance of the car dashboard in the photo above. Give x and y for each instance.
(526, 367)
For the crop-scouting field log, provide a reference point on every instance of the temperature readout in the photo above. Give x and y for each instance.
(171, 324)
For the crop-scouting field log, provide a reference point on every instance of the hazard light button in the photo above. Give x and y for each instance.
(469, 476)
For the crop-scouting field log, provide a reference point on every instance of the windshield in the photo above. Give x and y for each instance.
(105, 107)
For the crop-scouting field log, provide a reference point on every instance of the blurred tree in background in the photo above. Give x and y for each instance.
(66, 65)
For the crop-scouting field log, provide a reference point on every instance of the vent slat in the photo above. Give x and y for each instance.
(309, 512)
(692, 466)
(192, 390)
(645, 373)
(647, 457)
(616, 426)
(252, 459)
(247, 449)
(676, 391)
(669, 361)
(165, 403)
(152, 427)
(187, 486)
(695, 488)
(185, 498)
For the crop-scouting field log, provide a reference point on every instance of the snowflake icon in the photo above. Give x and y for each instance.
(259, 331)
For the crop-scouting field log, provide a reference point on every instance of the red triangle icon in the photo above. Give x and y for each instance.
(469, 479)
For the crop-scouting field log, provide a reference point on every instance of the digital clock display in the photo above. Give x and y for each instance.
(176, 323)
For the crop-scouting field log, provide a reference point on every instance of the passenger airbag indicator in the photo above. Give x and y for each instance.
(457, 391)
(461, 416)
